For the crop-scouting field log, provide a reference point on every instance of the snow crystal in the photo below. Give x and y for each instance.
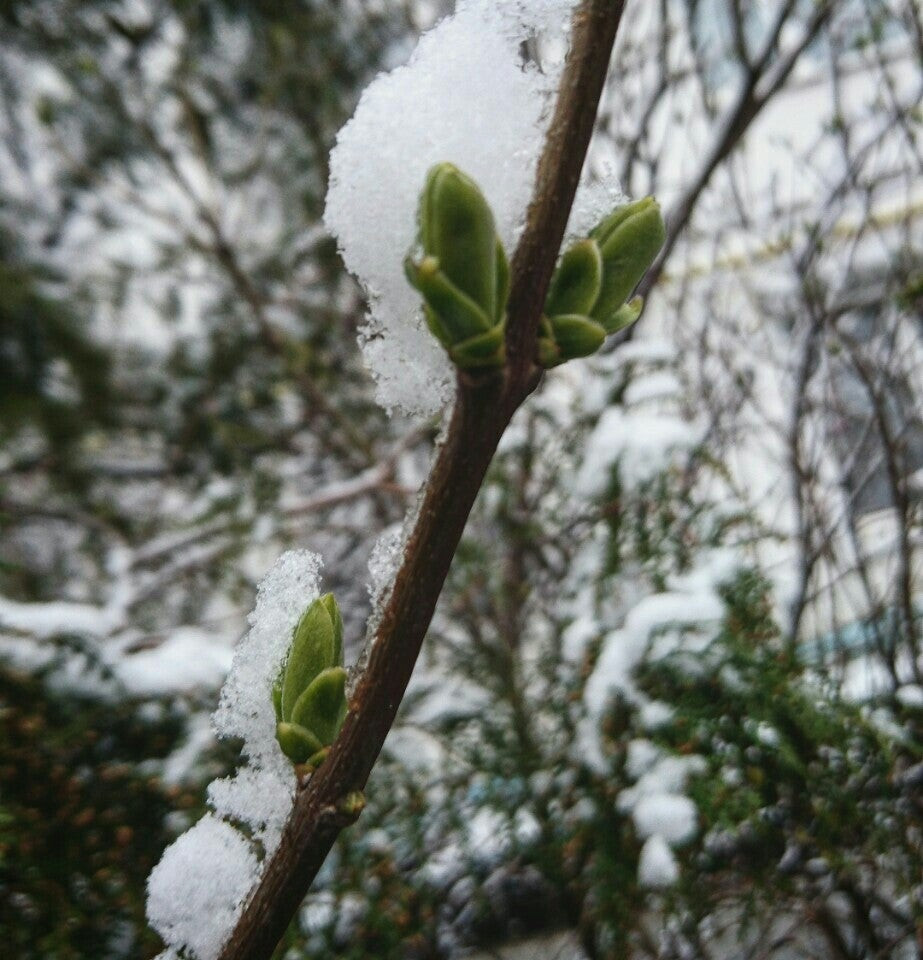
(596, 198)
(669, 815)
(384, 562)
(657, 867)
(466, 96)
(196, 891)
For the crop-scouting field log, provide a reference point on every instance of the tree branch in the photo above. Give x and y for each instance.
(484, 405)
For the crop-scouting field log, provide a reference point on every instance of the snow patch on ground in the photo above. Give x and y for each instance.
(189, 660)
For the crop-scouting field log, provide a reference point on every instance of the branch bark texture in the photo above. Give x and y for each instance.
(484, 406)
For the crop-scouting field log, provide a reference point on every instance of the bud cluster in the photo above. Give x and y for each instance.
(460, 268)
(587, 296)
(310, 694)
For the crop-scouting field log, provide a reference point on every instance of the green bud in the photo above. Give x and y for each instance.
(277, 698)
(607, 226)
(548, 353)
(312, 651)
(452, 315)
(457, 228)
(309, 696)
(576, 336)
(577, 281)
(629, 240)
(297, 743)
(333, 610)
(461, 270)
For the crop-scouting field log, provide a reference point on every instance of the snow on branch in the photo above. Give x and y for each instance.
(467, 96)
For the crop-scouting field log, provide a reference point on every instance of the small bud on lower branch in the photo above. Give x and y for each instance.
(310, 695)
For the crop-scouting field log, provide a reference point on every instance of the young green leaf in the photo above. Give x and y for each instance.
(576, 336)
(577, 281)
(312, 650)
(457, 227)
(297, 743)
(318, 708)
(628, 250)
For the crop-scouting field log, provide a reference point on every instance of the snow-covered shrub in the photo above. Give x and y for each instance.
(611, 733)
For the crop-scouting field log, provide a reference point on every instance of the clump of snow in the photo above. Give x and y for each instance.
(46, 620)
(417, 751)
(642, 755)
(188, 660)
(656, 388)
(467, 96)
(657, 867)
(180, 765)
(197, 890)
(577, 637)
(195, 893)
(667, 776)
(865, 678)
(261, 798)
(672, 816)
(623, 649)
(910, 695)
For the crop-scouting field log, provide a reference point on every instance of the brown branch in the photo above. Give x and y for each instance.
(483, 408)
(595, 25)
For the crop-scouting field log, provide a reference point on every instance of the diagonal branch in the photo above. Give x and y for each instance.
(484, 405)
(595, 25)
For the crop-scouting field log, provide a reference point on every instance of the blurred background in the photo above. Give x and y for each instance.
(671, 704)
